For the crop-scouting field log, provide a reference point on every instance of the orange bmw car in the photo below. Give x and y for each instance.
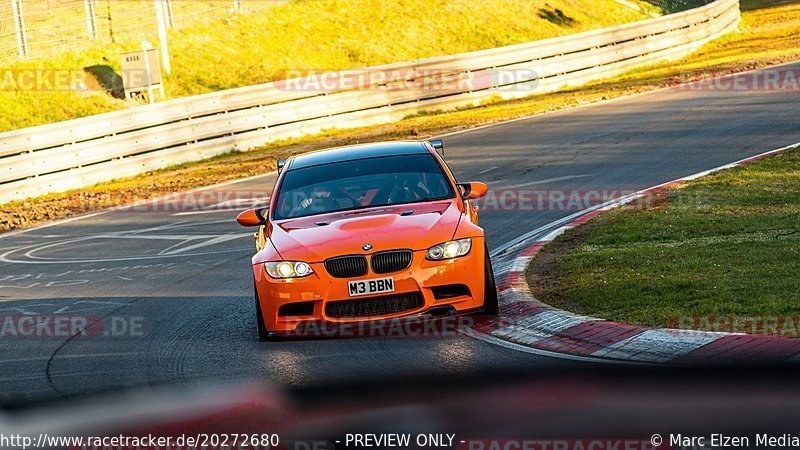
(368, 232)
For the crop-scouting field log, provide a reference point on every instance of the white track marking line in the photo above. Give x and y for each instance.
(549, 237)
(207, 211)
(51, 224)
(213, 241)
(677, 87)
(124, 234)
(86, 355)
(517, 241)
(163, 237)
(132, 205)
(627, 198)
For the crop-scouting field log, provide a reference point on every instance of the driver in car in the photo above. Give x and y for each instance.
(319, 200)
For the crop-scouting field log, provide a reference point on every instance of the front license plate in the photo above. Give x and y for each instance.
(368, 287)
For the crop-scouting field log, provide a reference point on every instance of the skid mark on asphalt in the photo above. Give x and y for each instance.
(176, 351)
(81, 356)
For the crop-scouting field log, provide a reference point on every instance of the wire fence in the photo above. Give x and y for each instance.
(35, 29)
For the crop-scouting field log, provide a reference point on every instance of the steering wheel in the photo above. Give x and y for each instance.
(405, 194)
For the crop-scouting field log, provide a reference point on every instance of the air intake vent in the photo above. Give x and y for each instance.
(450, 291)
(296, 309)
(347, 266)
(375, 306)
(388, 262)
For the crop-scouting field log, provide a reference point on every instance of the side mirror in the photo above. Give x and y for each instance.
(281, 165)
(473, 190)
(437, 145)
(252, 217)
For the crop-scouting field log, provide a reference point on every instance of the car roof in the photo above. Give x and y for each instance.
(355, 152)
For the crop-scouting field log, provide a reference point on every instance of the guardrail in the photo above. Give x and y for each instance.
(81, 152)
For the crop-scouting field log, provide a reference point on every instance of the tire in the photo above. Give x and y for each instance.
(490, 304)
(263, 333)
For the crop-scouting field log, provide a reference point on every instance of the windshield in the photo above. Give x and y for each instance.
(365, 183)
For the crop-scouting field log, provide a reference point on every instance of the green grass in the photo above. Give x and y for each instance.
(274, 41)
(724, 245)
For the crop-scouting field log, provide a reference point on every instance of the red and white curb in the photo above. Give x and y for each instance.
(529, 325)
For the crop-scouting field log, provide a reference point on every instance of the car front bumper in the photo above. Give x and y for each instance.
(422, 277)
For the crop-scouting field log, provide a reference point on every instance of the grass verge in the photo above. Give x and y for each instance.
(276, 39)
(720, 248)
(768, 36)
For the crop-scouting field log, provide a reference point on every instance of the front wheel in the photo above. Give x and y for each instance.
(490, 304)
(263, 334)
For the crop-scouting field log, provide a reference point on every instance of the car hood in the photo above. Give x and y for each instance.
(385, 228)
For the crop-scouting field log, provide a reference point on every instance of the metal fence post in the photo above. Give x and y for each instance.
(19, 23)
(91, 18)
(170, 18)
(162, 34)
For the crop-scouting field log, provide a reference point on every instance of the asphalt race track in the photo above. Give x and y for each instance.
(181, 281)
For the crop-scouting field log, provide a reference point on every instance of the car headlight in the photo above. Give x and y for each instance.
(288, 269)
(449, 250)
